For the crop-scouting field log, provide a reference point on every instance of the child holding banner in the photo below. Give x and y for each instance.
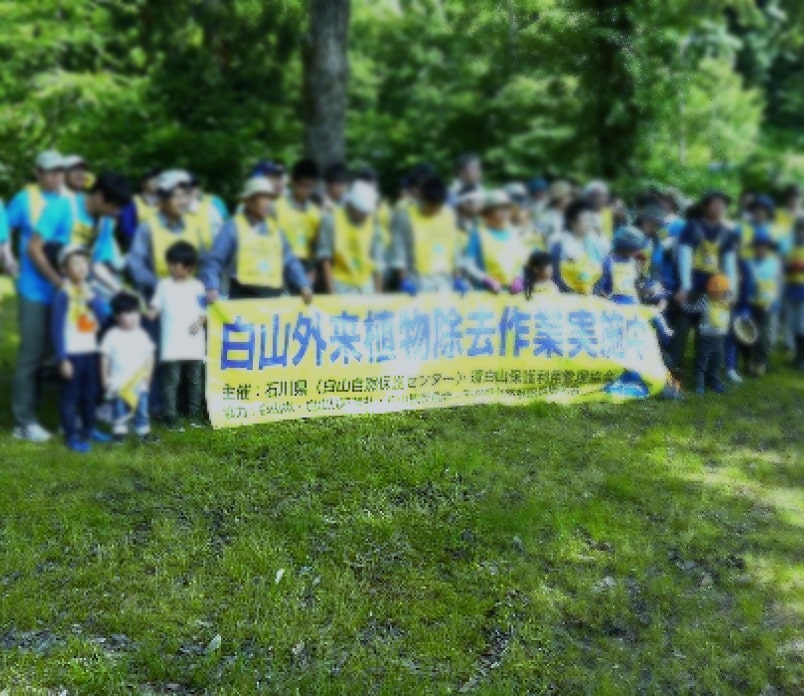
(538, 276)
(127, 357)
(620, 268)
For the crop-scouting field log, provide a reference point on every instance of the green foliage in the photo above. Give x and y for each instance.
(634, 91)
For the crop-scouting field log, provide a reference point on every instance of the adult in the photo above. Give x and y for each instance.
(426, 249)
(336, 186)
(144, 205)
(468, 172)
(495, 255)
(253, 252)
(147, 263)
(86, 222)
(560, 195)
(209, 210)
(597, 194)
(350, 246)
(707, 246)
(578, 251)
(298, 217)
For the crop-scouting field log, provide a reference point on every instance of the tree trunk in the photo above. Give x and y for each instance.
(326, 77)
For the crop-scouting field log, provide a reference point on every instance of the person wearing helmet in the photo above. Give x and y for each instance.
(426, 242)
(253, 252)
(350, 247)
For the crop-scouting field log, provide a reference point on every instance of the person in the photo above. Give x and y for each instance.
(426, 249)
(209, 210)
(76, 317)
(538, 199)
(597, 194)
(766, 273)
(76, 174)
(538, 275)
(273, 171)
(336, 186)
(495, 254)
(794, 289)
(179, 303)
(127, 363)
(298, 217)
(714, 308)
(706, 247)
(620, 271)
(521, 220)
(787, 214)
(560, 196)
(350, 246)
(578, 252)
(254, 252)
(759, 222)
(410, 193)
(60, 224)
(7, 261)
(147, 260)
(468, 172)
(658, 252)
(467, 209)
(143, 206)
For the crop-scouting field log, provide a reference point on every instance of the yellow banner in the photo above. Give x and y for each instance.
(272, 360)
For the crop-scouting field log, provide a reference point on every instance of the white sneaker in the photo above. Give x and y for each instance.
(32, 432)
(734, 377)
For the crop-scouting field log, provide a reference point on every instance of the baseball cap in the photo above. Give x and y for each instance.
(257, 186)
(49, 160)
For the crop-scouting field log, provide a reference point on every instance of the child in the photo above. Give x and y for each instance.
(795, 291)
(538, 275)
(766, 273)
(77, 313)
(179, 302)
(620, 268)
(127, 355)
(715, 310)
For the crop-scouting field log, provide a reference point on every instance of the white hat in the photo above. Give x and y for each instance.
(516, 191)
(496, 199)
(49, 160)
(70, 250)
(362, 197)
(596, 186)
(71, 161)
(172, 179)
(258, 186)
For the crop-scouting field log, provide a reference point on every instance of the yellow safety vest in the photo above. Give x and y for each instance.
(351, 260)
(36, 203)
(300, 226)
(145, 211)
(795, 266)
(718, 315)
(435, 241)
(503, 259)
(623, 279)
(203, 218)
(162, 239)
(260, 261)
(783, 224)
(607, 223)
(707, 257)
(581, 274)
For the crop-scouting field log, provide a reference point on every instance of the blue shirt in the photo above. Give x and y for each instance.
(57, 225)
(30, 283)
(3, 224)
(605, 286)
(223, 258)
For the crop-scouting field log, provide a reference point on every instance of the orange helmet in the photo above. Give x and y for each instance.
(718, 283)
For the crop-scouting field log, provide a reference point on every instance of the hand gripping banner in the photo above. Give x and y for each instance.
(272, 360)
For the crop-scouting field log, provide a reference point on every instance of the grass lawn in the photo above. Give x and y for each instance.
(651, 548)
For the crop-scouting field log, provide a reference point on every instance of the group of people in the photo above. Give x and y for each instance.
(117, 282)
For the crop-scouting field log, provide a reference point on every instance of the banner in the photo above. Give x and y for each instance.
(272, 360)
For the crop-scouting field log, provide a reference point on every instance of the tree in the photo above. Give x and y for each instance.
(326, 78)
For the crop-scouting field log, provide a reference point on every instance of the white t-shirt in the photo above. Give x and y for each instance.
(128, 352)
(180, 306)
